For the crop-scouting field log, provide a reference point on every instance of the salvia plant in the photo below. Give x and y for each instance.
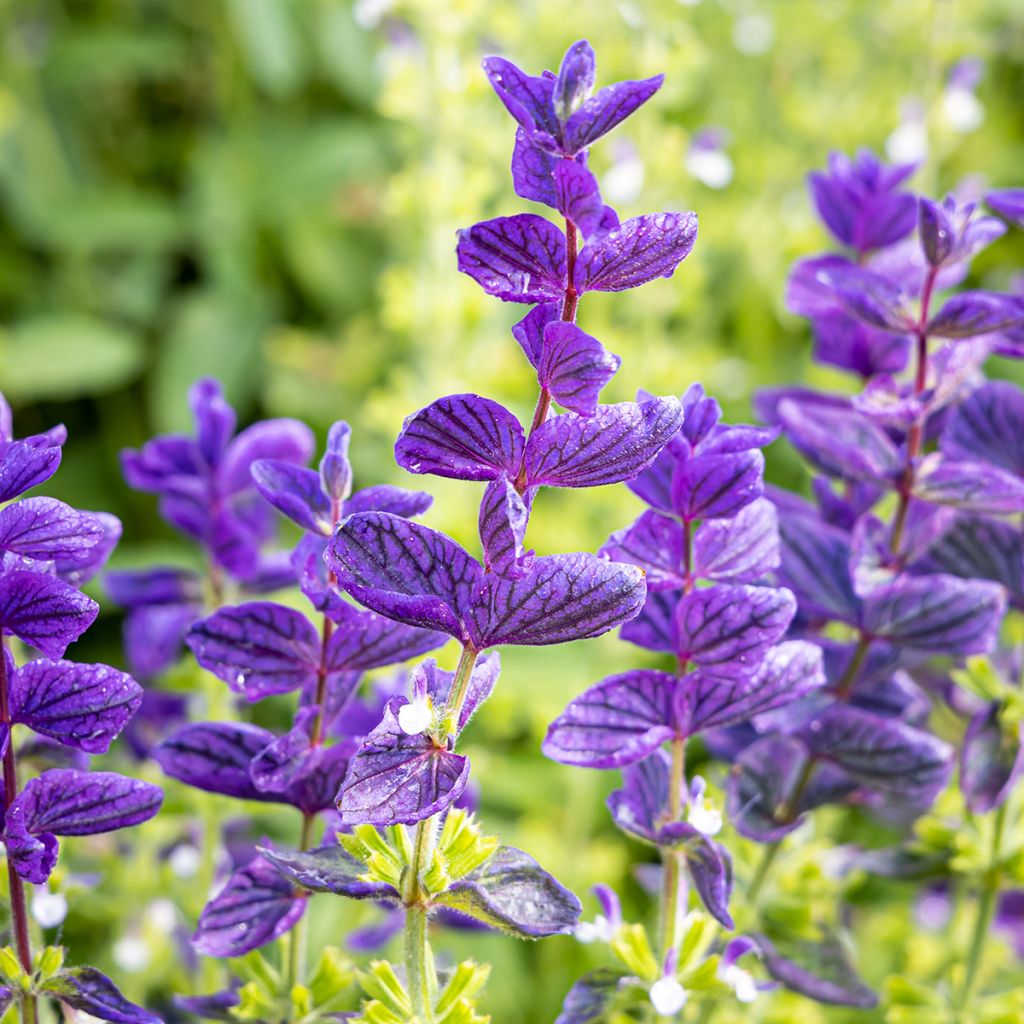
(47, 551)
(859, 646)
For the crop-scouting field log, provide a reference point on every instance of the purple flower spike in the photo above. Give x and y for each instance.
(256, 906)
(859, 201)
(396, 778)
(87, 990)
(43, 611)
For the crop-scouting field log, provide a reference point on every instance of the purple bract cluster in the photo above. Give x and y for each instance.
(47, 551)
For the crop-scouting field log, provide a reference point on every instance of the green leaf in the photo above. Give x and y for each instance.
(67, 356)
(267, 33)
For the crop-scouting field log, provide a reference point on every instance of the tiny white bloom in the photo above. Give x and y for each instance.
(184, 860)
(415, 717)
(163, 916)
(131, 954)
(962, 110)
(706, 818)
(740, 981)
(598, 930)
(49, 908)
(668, 997)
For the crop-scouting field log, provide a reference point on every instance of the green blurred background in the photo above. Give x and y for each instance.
(268, 191)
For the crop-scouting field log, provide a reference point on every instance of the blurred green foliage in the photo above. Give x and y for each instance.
(268, 191)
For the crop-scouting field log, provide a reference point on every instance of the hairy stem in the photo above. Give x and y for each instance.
(460, 686)
(986, 911)
(19, 912)
(419, 961)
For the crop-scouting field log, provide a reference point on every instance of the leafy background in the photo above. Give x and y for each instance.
(268, 191)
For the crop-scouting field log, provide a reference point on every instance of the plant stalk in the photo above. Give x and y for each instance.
(419, 962)
(672, 868)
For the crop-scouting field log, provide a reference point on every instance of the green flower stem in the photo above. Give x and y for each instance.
(672, 875)
(986, 911)
(419, 961)
(421, 978)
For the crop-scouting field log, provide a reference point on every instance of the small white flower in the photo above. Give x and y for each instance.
(184, 860)
(415, 717)
(131, 954)
(163, 916)
(701, 812)
(49, 908)
(962, 110)
(668, 997)
(740, 981)
(598, 930)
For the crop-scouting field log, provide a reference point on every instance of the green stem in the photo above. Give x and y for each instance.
(672, 874)
(460, 687)
(986, 911)
(419, 962)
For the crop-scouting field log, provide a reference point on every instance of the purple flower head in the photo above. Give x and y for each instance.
(860, 202)
(204, 481)
(559, 116)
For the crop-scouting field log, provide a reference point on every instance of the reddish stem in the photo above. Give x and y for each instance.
(19, 913)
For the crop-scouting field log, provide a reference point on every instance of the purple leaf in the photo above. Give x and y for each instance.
(215, 757)
(818, 969)
(396, 778)
(644, 797)
(815, 566)
(615, 723)
(533, 170)
(975, 547)
(763, 783)
(513, 893)
(844, 342)
(578, 197)
(87, 990)
(517, 259)
(294, 491)
(154, 636)
(528, 99)
(383, 498)
(708, 865)
(654, 627)
(161, 585)
(938, 235)
(405, 571)
(840, 442)
(788, 672)
(738, 550)
(256, 906)
(988, 426)
(283, 439)
(655, 544)
(23, 466)
(615, 444)
(991, 760)
(866, 296)
(574, 367)
(972, 313)
(363, 640)
(939, 614)
(562, 598)
(589, 998)
(85, 706)
(43, 611)
(72, 803)
(328, 869)
(882, 753)
(972, 486)
(503, 519)
(258, 649)
(716, 485)
(605, 109)
(529, 331)
(727, 629)
(1008, 203)
(464, 437)
(45, 529)
(639, 250)
(575, 80)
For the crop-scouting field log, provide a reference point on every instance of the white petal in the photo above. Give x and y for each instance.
(668, 997)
